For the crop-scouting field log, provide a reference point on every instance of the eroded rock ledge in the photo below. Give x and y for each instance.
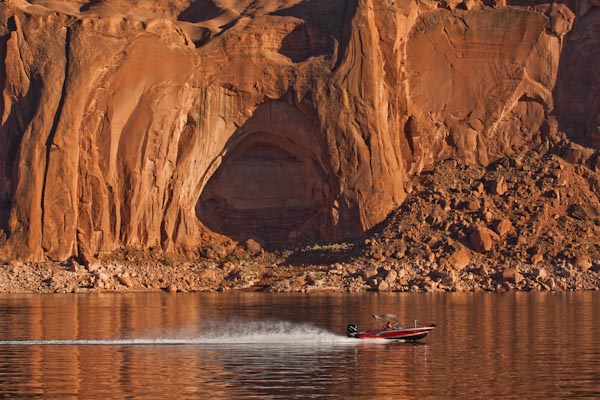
(173, 124)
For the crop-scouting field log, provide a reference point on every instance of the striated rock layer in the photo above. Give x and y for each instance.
(170, 124)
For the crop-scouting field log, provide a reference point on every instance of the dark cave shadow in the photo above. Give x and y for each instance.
(322, 27)
(213, 213)
(200, 11)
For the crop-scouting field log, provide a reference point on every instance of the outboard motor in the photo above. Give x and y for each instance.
(352, 331)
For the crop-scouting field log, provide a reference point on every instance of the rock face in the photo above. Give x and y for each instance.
(170, 124)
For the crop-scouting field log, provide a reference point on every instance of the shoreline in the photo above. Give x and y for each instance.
(269, 275)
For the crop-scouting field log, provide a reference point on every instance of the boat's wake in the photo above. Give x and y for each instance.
(232, 333)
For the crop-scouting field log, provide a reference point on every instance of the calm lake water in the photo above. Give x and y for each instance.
(248, 345)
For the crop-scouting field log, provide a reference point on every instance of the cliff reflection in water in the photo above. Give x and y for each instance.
(242, 345)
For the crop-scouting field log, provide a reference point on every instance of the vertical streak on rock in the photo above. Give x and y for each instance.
(36, 74)
(10, 27)
(9, 139)
(361, 77)
(53, 241)
(349, 13)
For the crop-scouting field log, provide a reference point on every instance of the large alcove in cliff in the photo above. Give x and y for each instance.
(271, 183)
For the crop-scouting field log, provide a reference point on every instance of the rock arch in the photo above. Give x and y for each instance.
(271, 181)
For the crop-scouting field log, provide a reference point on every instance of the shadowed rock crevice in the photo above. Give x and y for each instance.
(305, 41)
(271, 184)
(90, 6)
(9, 138)
(576, 92)
(200, 11)
(20, 116)
(322, 27)
(10, 27)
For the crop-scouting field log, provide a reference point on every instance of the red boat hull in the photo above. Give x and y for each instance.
(397, 334)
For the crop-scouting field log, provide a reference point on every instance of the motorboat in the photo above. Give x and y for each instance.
(391, 330)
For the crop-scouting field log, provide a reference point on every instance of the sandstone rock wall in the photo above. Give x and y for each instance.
(165, 124)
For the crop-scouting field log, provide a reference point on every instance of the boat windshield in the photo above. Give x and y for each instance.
(391, 325)
(391, 321)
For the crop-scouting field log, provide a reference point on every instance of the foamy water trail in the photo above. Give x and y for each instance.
(231, 333)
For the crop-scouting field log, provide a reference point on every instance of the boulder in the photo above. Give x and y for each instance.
(503, 227)
(448, 278)
(102, 277)
(73, 265)
(479, 187)
(369, 272)
(383, 286)
(279, 287)
(483, 270)
(474, 205)
(125, 280)
(574, 153)
(470, 4)
(391, 276)
(482, 239)
(565, 272)
(512, 275)
(588, 212)
(488, 217)
(582, 263)
(550, 283)
(537, 258)
(460, 258)
(498, 186)
(172, 288)
(540, 273)
(215, 252)
(252, 246)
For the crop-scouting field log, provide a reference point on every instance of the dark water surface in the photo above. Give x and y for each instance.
(247, 345)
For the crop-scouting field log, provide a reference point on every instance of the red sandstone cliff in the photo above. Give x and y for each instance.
(158, 124)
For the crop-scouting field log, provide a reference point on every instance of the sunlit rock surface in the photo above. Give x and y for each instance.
(172, 123)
